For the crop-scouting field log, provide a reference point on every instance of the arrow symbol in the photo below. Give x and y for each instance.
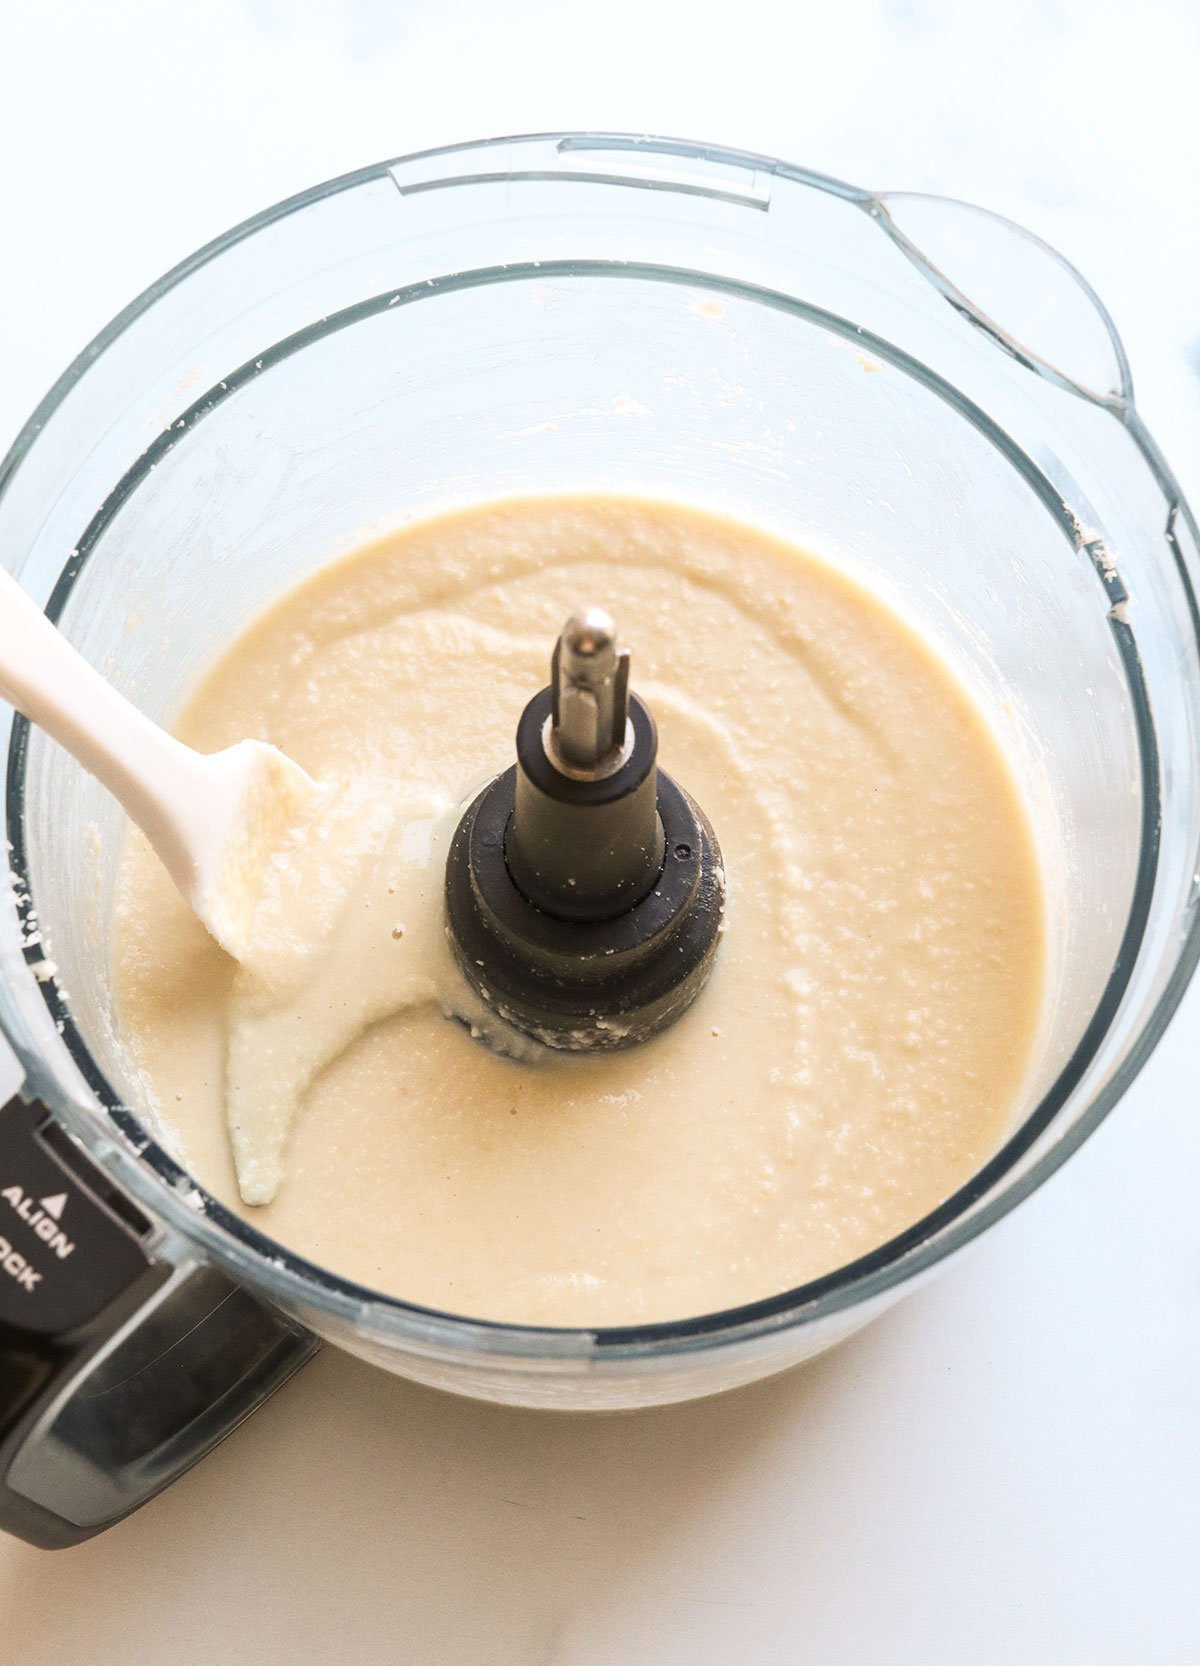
(54, 1205)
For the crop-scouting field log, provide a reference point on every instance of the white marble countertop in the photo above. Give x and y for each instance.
(1004, 1471)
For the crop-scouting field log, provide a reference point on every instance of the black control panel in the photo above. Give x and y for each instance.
(64, 1253)
(117, 1371)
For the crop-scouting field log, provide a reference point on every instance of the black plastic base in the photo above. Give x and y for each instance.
(117, 1371)
(582, 986)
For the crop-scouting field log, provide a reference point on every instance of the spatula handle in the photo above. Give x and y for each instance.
(144, 768)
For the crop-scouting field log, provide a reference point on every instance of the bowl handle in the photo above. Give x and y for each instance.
(1016, 288)
(117, 1371)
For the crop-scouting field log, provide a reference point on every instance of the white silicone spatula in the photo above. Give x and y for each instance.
(214, 821)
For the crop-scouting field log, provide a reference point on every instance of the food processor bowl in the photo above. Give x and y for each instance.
(916, 389)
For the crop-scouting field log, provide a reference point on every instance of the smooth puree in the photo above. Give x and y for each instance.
(859, 1052)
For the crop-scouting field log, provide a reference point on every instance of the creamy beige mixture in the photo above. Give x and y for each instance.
(858, 1053)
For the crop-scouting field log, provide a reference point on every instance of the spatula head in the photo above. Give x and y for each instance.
(258, 797)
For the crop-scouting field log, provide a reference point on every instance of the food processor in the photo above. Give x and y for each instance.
(915, 388)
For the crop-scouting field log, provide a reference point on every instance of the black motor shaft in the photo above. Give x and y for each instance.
(586, 840)
(584, 889)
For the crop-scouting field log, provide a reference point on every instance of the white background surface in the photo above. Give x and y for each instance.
(1004, 1470)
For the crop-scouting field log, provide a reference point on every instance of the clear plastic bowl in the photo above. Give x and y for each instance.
(915, 387)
